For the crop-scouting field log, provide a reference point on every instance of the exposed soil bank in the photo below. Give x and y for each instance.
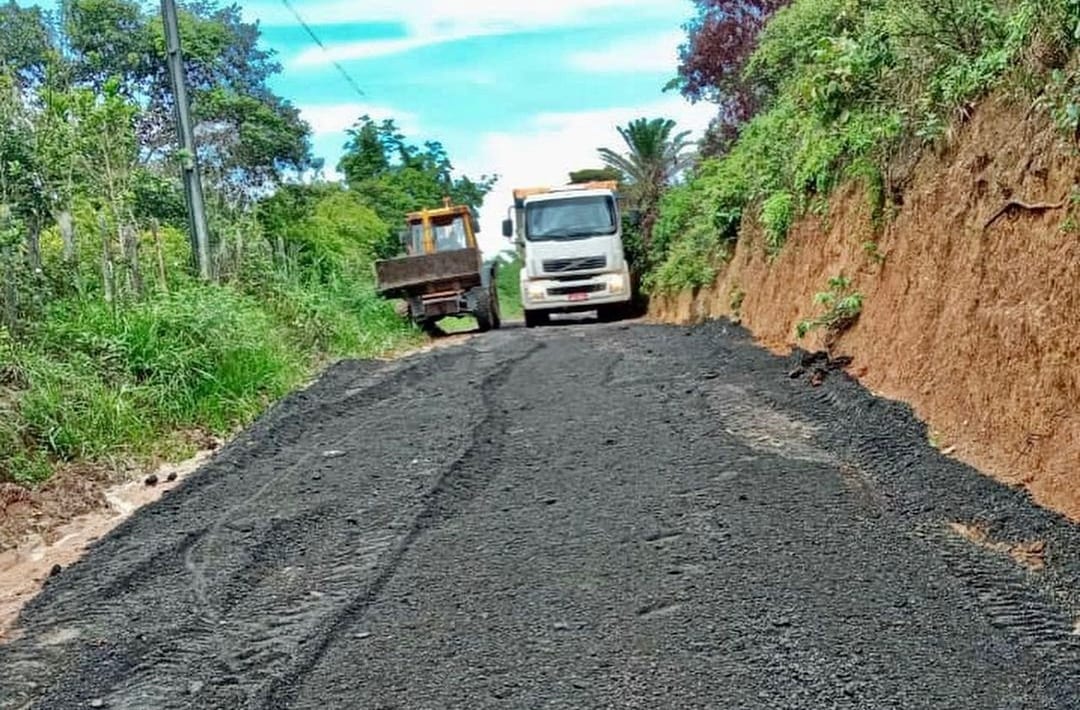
(977, 327)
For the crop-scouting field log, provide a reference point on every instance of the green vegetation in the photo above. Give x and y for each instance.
(736, 297)
(508, 277)
(842, 308)
(110, 345)
(655, 156)
(873, 252)
(847, 90)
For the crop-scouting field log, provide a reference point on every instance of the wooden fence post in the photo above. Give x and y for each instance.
(107, 269)
(129, 243)
(163, 278)
(11, 293)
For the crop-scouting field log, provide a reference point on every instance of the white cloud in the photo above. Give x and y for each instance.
(545, 152)
(431, 22)
(337, 118)
(368, 49)
(442, 15)
(658, 53)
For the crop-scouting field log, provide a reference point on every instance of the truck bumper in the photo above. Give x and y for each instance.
(579, 294)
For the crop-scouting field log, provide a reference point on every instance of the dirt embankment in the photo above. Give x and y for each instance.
(977, 326)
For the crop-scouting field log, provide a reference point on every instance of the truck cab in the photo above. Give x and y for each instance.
(570, 242)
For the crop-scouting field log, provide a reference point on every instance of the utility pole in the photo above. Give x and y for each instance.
(200, 234)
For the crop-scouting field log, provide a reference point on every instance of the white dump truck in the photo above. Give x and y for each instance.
(570, 242)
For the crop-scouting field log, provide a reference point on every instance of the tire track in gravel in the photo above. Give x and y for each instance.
(148, 677)
(1026, 605)
(885, 450)
(273, 634)
(469, 474)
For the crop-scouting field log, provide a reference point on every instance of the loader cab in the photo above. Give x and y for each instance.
(446, 229)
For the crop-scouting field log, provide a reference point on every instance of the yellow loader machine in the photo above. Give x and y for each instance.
(443, 273)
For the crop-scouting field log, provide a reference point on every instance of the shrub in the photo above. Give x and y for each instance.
(848, 83)
(777, 213)
(842, 308)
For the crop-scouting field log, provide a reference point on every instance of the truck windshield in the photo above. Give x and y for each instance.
(570, 218)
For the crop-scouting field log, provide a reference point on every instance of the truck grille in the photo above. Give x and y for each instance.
(566, 290)
(581, 263)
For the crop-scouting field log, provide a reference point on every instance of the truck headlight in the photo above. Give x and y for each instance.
(536, 293)
(616, 284)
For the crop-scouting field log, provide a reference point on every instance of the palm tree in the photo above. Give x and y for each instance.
(656, 157)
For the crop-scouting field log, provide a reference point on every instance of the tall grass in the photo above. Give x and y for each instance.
(507, 281)
(91, 380)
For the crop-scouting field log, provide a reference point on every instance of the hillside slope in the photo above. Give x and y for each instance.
(977, 327)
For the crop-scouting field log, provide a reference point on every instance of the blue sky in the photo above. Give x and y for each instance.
(527, 89)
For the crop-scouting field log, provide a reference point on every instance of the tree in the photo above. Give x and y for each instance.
(720, 41)
(595, 175)
(657, 156)
(248, 136)
(27, 43)
(23, 194)
(323, 229)
(396, 177)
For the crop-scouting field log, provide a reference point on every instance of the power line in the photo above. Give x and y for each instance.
(316, 40)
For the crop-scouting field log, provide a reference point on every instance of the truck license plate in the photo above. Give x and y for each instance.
(579, 296)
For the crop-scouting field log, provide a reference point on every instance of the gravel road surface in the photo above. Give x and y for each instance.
(587, 516)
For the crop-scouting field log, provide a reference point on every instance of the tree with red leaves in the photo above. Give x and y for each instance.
(719, 42)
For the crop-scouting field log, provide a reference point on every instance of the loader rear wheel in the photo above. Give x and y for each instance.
(487, 311)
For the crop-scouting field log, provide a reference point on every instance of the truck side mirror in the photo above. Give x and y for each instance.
(634, 218)
(508, 228)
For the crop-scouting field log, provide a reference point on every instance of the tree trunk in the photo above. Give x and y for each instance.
(129, 242)
(648, 222)
(163, 278)
(107, 270)
(67, 235)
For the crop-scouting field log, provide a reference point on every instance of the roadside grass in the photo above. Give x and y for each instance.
(90, 381)
(465, 324)
(509, 288)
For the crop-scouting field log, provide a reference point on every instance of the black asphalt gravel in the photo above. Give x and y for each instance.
(592, 516)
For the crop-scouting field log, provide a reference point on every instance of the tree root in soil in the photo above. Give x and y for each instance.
(1016, 204)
